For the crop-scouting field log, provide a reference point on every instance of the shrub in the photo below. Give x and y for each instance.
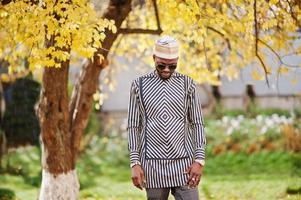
(296, 164)
(7, 194)
(292, 138)
(268, 112)
(293, 190)
(20, 122)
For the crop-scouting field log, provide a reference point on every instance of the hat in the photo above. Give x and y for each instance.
(166, 47)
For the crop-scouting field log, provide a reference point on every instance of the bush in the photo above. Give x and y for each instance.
(220, 111)
(293, 190)
(20, 123)
(296, 164)
(7, 194)
(292, 137)
(268, 112)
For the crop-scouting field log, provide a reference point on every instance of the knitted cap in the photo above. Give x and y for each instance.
(166, 47)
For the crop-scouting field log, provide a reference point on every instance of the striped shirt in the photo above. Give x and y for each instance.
(165, 127)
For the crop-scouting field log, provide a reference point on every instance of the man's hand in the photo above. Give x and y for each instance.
(138, 178)
(195, 172)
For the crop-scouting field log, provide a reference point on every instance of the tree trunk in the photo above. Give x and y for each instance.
(81, 103)
(55, 136)
(60, 187)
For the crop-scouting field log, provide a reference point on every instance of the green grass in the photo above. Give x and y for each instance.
(212, 187)
(257, 163)
(249, 187)
(264, 175)
(16, 183)
(217, 187)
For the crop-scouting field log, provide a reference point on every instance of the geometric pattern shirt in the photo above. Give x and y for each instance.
(165, 128)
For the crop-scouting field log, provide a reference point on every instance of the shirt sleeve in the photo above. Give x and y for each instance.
(134, 125)
(195, 118)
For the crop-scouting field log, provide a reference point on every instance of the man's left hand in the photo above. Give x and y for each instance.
(195, 172)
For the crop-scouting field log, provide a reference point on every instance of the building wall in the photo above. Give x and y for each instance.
(115, 121)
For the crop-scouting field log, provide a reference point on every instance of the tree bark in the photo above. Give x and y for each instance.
(55, 136)
(54, 117)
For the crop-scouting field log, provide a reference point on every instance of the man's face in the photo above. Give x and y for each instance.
(165, 67)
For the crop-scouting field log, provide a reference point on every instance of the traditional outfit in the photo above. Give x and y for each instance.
(166, 128)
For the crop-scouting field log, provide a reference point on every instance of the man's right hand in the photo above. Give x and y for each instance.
(138, 178)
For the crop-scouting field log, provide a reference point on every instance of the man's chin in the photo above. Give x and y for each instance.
(165, 76)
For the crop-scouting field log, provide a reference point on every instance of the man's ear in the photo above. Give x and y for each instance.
(154, 57)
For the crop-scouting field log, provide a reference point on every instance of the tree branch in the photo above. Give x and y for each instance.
(206, 57)
(293, 15)
(291, 53)
(256, 43)
(5, 2)
(118, 42)
(81, 100)
(157, 15)
(221, 34)
(158, 31)
(277, 55)
(139, 31)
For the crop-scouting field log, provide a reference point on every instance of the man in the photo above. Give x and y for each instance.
(166, 130)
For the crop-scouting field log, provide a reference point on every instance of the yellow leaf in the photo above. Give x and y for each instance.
(3, 14)
(114, 29)
(5, 78)
(100, 56)
(294, 81)
(283, 70)
(269, 69)
(256, 76)
(96, 96)
(232, 73)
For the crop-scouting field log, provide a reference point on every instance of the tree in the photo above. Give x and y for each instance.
(219, 38)
(56, 28)
(213, 35)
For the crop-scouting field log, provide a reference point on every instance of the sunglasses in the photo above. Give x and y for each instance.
(162, 66)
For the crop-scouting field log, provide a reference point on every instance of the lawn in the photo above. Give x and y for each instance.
(233, 169)
(265, 175)
(217, 187)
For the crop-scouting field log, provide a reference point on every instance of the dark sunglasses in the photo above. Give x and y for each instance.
(162, 66)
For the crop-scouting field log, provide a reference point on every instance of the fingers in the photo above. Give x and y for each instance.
(195, 172)
(193, 180)
(194, 177)
(137, 182)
